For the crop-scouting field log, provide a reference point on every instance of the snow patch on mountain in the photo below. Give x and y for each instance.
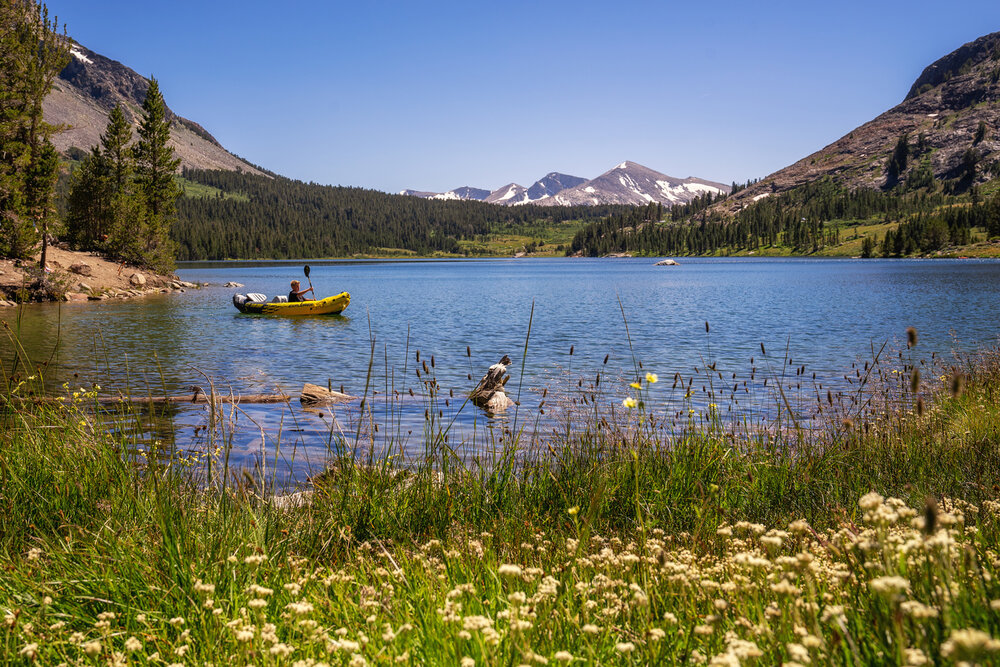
(79, 56)
(632, 184)
(627, 183)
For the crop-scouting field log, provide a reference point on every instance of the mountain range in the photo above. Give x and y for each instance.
(627, 183)
(947, 126)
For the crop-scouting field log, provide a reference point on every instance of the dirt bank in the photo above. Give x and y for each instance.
(79, 276)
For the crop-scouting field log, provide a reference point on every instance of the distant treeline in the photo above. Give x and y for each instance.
(286, 219)
(797, 220)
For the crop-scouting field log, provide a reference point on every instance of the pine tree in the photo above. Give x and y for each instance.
(154, 169)
(867, 247)
(87, 205)
(898, 161)
(31, 56)
(992, 217)
(980, 133)
(103, 211)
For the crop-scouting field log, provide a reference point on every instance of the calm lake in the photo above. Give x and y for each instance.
(824, 314)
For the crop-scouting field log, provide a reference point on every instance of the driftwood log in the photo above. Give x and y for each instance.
(489, 394)
(311, 395)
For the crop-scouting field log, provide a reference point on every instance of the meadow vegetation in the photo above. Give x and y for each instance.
(859, 526)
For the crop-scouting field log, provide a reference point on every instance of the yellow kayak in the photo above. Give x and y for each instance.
(258, 304)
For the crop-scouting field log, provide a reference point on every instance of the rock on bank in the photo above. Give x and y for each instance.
(78, 276)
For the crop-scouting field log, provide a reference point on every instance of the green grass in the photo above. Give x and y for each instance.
(637, 535)
(544, 238)
(199, 190)
(853, 233)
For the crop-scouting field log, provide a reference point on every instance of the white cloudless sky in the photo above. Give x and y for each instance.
(437, 95)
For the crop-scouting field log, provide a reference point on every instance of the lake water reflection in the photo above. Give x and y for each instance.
(825, 313)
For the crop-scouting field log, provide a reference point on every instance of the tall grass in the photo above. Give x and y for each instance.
(855, 527)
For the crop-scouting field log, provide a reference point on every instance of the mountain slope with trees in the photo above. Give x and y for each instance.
(919, 179)
(256, 217)
(948, 127)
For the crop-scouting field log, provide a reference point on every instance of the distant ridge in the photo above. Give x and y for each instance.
(627, 183)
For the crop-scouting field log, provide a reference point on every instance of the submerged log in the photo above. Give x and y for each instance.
(489, 393)
(198, 396)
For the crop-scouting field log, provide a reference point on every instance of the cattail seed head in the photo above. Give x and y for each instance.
(571, 350)
(706, 327)
(957, 384)
(920, 406)
(915, 380)
(762, 349)
(468, 351)
(911, 337)
(606, 358)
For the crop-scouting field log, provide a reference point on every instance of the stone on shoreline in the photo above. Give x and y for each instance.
(81, 269)
(137, 279)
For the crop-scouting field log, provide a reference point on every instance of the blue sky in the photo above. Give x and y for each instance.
(436, 95)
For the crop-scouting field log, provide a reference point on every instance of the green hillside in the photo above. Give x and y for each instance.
(228, 215)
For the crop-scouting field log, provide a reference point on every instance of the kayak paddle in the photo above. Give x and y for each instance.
(310, 283)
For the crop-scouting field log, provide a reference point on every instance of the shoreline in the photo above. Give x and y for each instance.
(76, 276)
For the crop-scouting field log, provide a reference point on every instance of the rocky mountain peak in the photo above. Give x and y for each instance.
(631, 183)
(91, 85)
(960, 61)
(551, 184)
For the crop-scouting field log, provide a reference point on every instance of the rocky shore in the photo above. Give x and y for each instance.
(79, 276)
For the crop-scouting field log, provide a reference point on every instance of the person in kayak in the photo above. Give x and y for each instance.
(296, 294)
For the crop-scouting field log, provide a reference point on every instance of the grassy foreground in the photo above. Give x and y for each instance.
(871, 538)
